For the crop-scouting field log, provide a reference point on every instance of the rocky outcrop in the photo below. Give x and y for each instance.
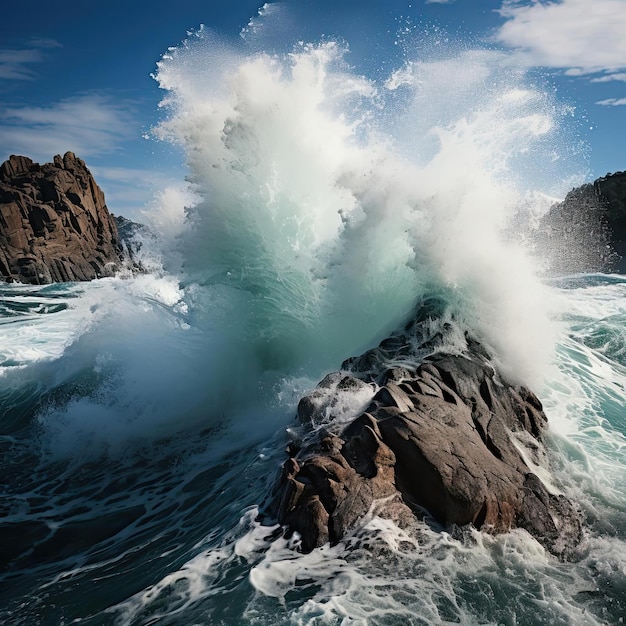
(132, 236)
(54, 223)
(447, 437)
(612, 191)
(587, 231)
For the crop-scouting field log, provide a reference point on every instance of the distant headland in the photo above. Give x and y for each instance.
(54, 223)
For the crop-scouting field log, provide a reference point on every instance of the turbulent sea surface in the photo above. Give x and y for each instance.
(144, 417)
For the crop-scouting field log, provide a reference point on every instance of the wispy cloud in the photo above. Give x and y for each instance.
(439, 1)
(129, 191)
(89, 124)
(96, 127)
(43, 42)
(620, 76)
(613, 102)
(17, 64)
(577, 35)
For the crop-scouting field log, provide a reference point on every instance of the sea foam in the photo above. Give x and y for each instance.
(330, 203)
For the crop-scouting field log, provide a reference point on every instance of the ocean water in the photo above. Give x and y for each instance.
(144, 416)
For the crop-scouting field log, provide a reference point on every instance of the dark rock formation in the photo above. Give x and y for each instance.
(448, 436)
(54, 223)
(132, 236)
(128, 232)
(612, 191)
(587, 231)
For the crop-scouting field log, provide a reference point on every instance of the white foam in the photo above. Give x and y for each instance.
(40, 335)
(385, 573)
(584, 399)
(329, 202)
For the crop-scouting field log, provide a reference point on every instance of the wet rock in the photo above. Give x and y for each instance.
(54, 223)
(324, 401)
(448, 437)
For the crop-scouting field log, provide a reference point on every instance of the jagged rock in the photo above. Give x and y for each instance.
(587, 231)
(323, 401)
(131, 235)
(612, 190)
(54, 223)
(448, 436)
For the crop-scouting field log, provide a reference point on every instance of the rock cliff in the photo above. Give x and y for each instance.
(447, 437)
(54, 223)
(587, 231)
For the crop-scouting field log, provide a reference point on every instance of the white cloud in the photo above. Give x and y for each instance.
(439, 1)
(17, 64)
(89, 124)
(613, 102)
(621, 76)
(42, 42)
(578, 35)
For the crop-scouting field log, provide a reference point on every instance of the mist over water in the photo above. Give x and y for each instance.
(330, 203)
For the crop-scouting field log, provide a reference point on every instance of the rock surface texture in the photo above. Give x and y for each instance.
(587, 231)
(54, 223)
(447, 437)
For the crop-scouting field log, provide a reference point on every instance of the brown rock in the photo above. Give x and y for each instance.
(448, 436)
(54, 223)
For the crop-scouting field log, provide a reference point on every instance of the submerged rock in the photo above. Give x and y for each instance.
(448, 437)
(54, 223)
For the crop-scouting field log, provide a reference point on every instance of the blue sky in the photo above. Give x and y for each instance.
(76, 75)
